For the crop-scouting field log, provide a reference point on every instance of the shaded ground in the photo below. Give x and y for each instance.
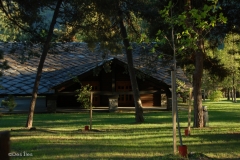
(23, 104)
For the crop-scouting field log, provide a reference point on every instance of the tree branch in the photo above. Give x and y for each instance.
(14, 21)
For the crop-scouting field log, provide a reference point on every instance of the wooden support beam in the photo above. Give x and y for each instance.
(113, 78)
(189, 110)
(4, 145)
(111, 93)
(91, 101)
(174, 111)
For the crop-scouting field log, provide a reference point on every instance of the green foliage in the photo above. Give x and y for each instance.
(191, 26)
(24, 21)
(83, 95)
(182, 89)
(229, 58)
(9, 102)
(3, 64)
(8, 32)
(196, 24)
(215, 96)
(181, 86)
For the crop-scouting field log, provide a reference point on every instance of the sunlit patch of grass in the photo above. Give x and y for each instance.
(116, 136)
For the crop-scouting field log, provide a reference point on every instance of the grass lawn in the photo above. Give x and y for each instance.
(116, 136)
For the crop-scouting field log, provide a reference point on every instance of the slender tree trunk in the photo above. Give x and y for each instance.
(40, 66)
(137, 101)
(234, 89)
(228, 94)
(198, 112)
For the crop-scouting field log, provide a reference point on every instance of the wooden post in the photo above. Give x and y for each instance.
(91, 98)
(189, 111)
(4, 145)
(113, 78)
(174, 111)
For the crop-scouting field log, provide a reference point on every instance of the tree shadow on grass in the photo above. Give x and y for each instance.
(66, 147)
(226, 137)
(114, 152)
(25, 132)
(226, 144)
(223, 115)
(201, 156)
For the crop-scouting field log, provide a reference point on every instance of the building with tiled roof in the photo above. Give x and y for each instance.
(68, 60)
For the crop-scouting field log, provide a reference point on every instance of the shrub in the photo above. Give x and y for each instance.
(215, 96)
(83, 96)
(9, 102)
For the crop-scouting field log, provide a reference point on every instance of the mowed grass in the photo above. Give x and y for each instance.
(116, 136)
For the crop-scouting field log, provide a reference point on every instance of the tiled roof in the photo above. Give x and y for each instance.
(70, 60)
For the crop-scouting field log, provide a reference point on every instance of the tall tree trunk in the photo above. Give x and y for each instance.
(137, 101)
(197, 83)
(234, 94)
(198, 73)
(40, 66)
